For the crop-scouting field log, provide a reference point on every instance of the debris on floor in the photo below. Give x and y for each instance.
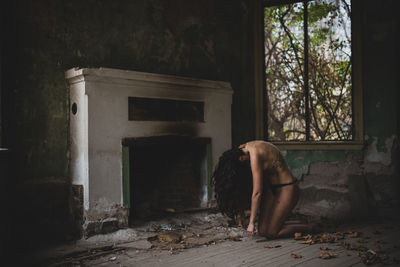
(178, 234)
(272, 246)
(367, 255)
(326, 255)
(295, 256)
(188, 232)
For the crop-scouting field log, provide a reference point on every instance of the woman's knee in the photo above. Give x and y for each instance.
(262, 229)
(268, 233)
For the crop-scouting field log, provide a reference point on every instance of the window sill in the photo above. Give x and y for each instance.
(322, 145)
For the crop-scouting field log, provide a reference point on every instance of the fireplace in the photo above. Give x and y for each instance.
(143, 142)
(167, 174)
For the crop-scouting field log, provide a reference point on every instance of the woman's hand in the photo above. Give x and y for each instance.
(250, 228)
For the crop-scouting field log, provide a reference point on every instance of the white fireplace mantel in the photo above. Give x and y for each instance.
(99, 121)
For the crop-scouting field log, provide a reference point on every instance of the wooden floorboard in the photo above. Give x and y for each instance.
(249, 252)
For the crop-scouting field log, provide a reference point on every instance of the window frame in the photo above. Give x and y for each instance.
(259, 84)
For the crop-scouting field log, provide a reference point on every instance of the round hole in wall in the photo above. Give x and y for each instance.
(74, 108)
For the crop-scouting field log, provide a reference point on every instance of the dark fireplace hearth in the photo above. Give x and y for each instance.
(167, 174)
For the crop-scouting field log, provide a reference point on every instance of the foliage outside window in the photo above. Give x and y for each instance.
(308, 71)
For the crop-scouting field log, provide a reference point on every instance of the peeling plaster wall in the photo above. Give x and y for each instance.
(346, 185)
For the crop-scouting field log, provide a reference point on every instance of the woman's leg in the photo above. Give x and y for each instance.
(265, 214)
(285, 200)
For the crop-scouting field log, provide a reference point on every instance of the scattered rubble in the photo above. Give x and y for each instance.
(120, 236)
(176, 233)
(185, 231)
(171, 237)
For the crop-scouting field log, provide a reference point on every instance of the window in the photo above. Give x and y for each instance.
(310, 81)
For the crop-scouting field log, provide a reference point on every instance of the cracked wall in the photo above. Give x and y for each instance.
(351, 186)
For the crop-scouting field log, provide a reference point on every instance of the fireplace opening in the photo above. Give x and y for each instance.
(168, 174)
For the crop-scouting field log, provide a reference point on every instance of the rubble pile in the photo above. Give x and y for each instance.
(183, 233)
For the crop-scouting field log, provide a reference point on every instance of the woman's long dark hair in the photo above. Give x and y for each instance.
(232, 183)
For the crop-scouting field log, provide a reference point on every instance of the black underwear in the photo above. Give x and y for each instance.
(274, 187)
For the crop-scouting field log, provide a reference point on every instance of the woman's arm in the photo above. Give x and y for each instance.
(257, 172)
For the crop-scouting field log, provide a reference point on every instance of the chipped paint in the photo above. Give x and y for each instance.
(104, 216)
(373, 155)
(299, 161)
(324, 203)
(341, 188)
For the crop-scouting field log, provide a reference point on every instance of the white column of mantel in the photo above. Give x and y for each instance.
(79, 140)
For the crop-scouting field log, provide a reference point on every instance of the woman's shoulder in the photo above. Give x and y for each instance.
(259, 144)
(260, 147)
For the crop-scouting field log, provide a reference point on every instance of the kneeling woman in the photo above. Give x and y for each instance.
(274, 192)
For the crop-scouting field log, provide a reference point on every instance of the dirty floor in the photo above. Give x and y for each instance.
(206, 239)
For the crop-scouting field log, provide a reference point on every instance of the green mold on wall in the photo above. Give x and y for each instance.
(299, 161)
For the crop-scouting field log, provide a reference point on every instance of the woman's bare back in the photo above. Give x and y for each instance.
(273, 164)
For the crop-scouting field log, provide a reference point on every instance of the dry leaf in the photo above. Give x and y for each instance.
(352, 246)
(297, 236)
(295, 256)
(369, 257)
(324, 238)
(169, 237)
(326, 255)
(308, 237)
(272, 246)
(353, 234)
(324, 248)
(309, 242)
(169, 210)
